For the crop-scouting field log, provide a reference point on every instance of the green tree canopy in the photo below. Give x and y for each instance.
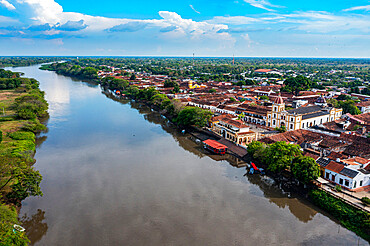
(349, 106)
(305, 169)
(193, 116)
(297, 84)
(279, 155)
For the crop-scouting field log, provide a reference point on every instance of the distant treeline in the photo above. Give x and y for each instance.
(17, 61)
(68, 69)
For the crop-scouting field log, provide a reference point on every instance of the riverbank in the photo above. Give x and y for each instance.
(158, 104)
(21, 110)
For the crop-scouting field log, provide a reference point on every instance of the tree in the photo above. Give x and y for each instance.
(305, 169)
(343, 97)
(212, 90)
(241, 116)
(158, 99)
(333, 102)
(297, 84)
(253, 147)
(349, 107)
(171, 83)
(263, 97)
(194, 116)
(133, 77)
(279, 156)
(280, 129)
(27, 184)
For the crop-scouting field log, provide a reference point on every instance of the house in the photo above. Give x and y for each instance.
(235, 131)
(351, 177)
(364, 106)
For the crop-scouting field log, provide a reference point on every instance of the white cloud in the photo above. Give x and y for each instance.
(7, 5)
(247, 39)
(189, 26)
(5, 19)
(196, 11)
(234, 20)
(33, 13)
(324, 22)
(366, 8)
(262, 4)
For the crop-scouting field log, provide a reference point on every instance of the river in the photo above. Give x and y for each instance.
(116, 173)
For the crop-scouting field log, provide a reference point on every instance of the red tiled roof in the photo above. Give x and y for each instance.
(237, 123)
(364, 117)
(335, 155)
(214, 144)
(312, 155)
(262, 70)
(334, 166)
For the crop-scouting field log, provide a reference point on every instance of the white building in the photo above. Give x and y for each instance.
(351, 177)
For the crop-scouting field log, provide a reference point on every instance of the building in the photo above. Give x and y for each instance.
(234, 130)
(353, 176)
(253, 113)
(302, 117)
(364, 106)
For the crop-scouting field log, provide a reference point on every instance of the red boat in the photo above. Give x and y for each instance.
(215, 147)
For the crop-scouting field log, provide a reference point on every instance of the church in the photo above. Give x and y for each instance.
(302, 117)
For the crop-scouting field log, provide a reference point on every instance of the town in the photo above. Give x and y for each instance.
(265, 112)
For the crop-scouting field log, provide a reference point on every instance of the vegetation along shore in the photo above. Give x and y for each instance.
(22, 106)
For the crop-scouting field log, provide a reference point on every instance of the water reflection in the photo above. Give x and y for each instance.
(35, 226)
(300, 210)
(298, 207)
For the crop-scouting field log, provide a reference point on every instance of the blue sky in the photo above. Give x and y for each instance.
(256, 28)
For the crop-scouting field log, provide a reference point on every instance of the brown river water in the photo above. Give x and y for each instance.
(117, 173)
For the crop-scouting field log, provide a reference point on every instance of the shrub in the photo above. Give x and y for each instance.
(34, 126)
(8, 217)
(365, 200)
(21, 135)
(338, 188)
(351, 217)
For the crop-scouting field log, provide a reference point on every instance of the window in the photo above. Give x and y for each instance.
(275, 109)
(327, 175)
(291, 126)
(273, 122)
(341, 181)
(291, 119)
(274, 115)
(346, 182)
(361, 182)
(302, 125)
(354, 184)
(321, 121)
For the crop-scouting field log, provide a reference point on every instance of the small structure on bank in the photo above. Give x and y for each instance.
(215, 147)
